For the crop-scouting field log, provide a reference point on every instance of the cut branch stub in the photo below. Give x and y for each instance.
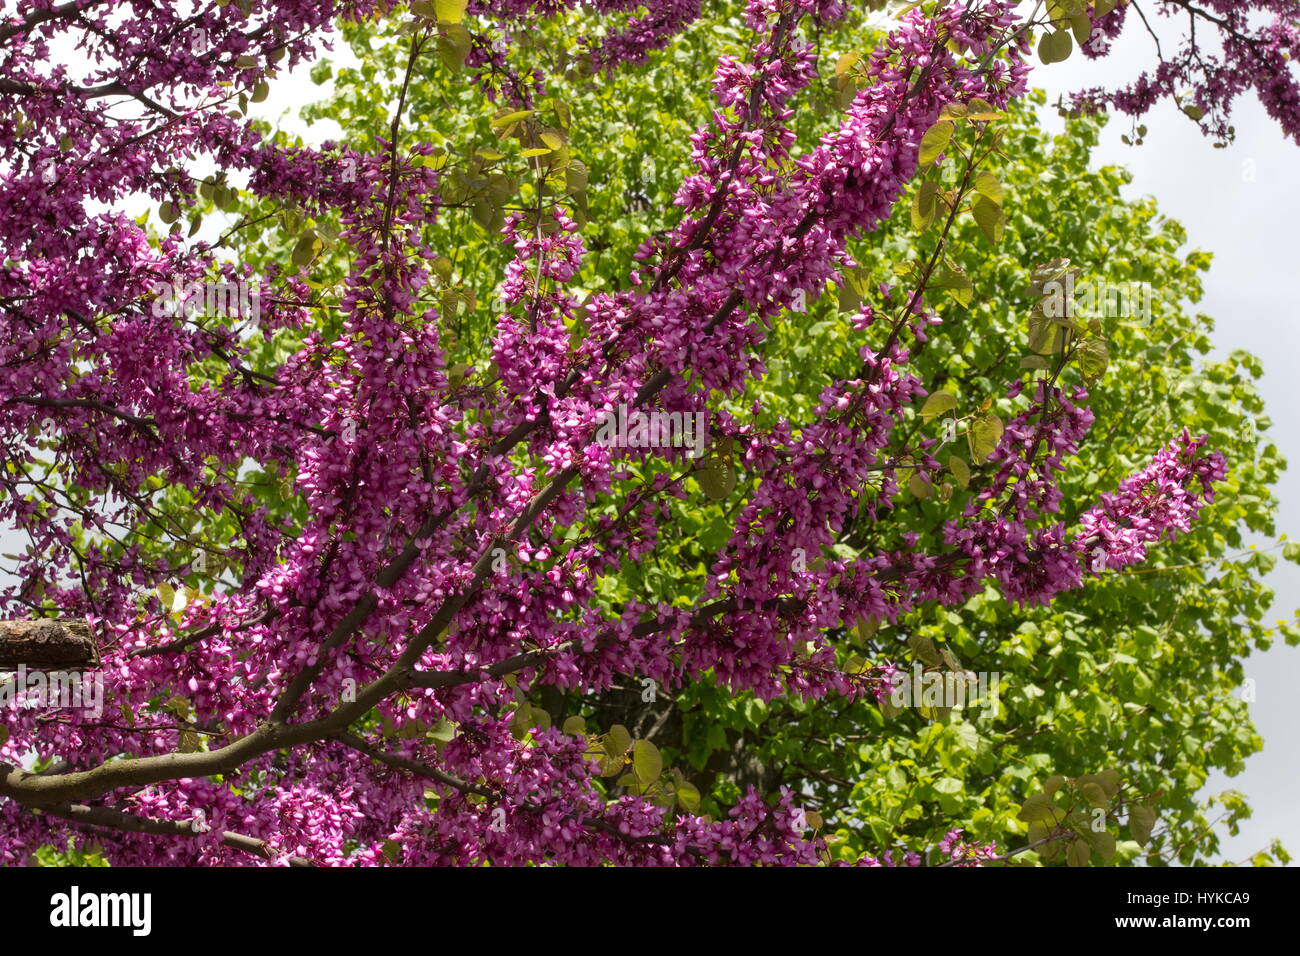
(49, 644)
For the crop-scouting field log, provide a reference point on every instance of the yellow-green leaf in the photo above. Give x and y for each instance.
(845, 62)
(450, 11)
(981, 111)
(937, 404)
(1039, 808)
(574, 726)
(924, 649)
(983, 436)
(990, 217)
(988, 184)
(925, 206)
(935, 141)
(305, 250)
(688, 796)
(960, 470)
(507, 120)
(647, 762)
(1141, 821)
(717, 477)
(1095, 795)
(1094, 359)
(1079, 853)
(1082, 27)
(617, 740)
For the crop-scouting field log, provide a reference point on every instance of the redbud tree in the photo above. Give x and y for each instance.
(365, 561)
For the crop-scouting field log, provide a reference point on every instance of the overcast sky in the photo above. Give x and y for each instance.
(1242, 204)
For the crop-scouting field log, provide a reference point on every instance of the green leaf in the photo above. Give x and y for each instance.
(955, 282)
(454, 45)
(960, 470)
(1045, 336)
(981, 111)
(983, 436)
(919, 486)
(305, 249)
(924, 649)
(717, 477)
(688, 796)
(1110, 781)
(574, 726)
(1103, 841)
(647, 762)
(617, 740)
(1082, 27)
(1141, 821)
(990, 218)
(450, 11)
(611, 765)
(1095, 795)
(1079, 853)
(925, 206)
(937, 404)
(1094, 359)
(935, 141)
(987, 184)
(443, 731)
(1055, 47)
(1039, 808)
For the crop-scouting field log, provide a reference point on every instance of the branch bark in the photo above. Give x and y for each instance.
(49, 644)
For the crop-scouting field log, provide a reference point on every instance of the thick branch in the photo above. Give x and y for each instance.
(114, 819)
(48, 644)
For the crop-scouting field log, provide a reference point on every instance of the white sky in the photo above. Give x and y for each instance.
(1240, 203)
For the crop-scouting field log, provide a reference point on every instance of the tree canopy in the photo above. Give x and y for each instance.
(344, 450)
